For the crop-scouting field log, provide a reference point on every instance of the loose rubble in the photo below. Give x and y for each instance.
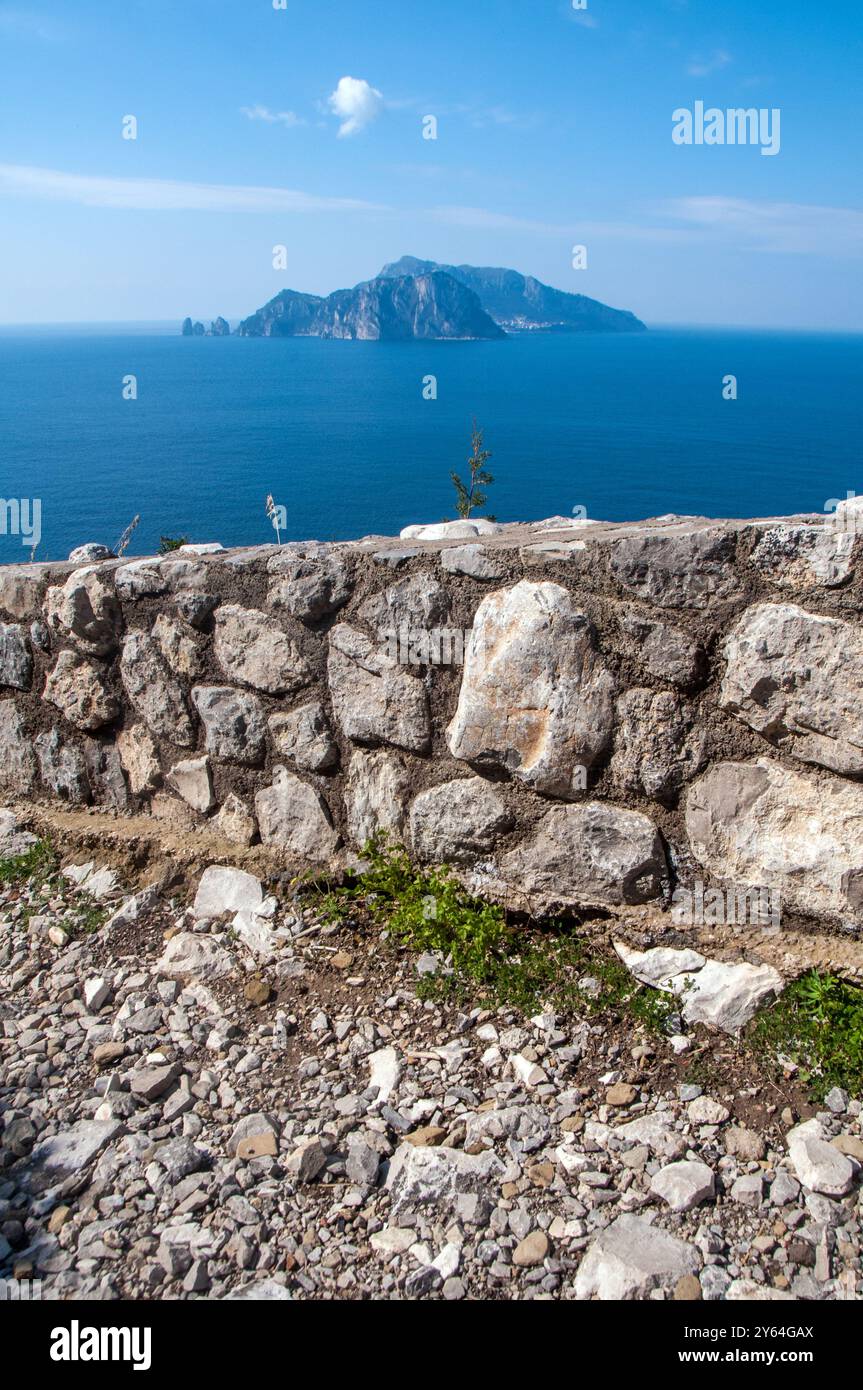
(193, 1108)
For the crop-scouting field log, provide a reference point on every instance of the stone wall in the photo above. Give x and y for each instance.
(575, 714)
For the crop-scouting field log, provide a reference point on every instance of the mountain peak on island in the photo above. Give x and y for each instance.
(412, 298)
(390, 308)
(520, 302)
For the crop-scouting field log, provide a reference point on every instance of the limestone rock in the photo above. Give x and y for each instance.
(13, 840)
(16, 660)
(416, 602)
(375, 795)
(86, 611)
(309, 587)
(631, 1258)
(818, 1164)
(193, 780)
(589, 855)
(233, 721)
(797, 678)
(658, 746)
(375, 700)
(684, 1185)
(71, 1151)
(20, 591)
(685, 569)
(476, 561)
(235, 821)
(139, 757)
(105, 773)
(78, 689)
(660, 965)
(140, 579)
(182, 654)
(62, 768)
(304, 735)
(535, 699)
(457, 821)
(450, 530)
(251, 647)
(17, 762)
(294, 815)
(805, 557)
(666, 652)
(436, 1176)
(153, 691)
(225, 889)
(760, 824)
(191, 957)
(727, 996)
(89, 553)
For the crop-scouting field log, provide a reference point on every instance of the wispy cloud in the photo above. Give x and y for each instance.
(165, 195)
(760, 225)
(263, 113)
(30, 24)
(703, 67)
(585, 19)
(356, 103)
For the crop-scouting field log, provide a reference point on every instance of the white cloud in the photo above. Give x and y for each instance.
(356, 104)
(263, 113)
(703, 67)
(165, 195)
(792, 228)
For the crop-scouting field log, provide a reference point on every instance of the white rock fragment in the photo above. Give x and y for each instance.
(819, 1166)
(223, 889)
(684, 1185)
(631, 1258)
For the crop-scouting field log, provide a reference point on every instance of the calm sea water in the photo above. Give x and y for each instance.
(341, 435)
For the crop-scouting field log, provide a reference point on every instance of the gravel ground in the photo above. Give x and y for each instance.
(208, 1103)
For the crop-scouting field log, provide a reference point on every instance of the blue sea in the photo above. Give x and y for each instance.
(341, 435)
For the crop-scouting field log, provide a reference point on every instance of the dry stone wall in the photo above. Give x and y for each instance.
(575, 715)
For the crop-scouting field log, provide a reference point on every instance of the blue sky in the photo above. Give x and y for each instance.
(554, 128)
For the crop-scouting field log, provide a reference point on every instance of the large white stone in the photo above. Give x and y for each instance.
(819, 1166)
(375, 795)
(294, 815)
(457, 821)
(251, 646)
(224, 889)
(375, 700)
(684, 1185)
(631, 1258)
(591, 855)
(762, 825)
(535, 697)
(797, 678)
(726, 995)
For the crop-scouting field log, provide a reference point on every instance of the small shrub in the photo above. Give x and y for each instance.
(816, 1023)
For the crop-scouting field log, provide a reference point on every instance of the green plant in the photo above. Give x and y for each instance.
(38, 864)
(469, 494)
(816, 1023)
(488, 958)
(169, 543)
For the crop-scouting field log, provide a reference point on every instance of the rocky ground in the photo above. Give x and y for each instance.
(237, 1099)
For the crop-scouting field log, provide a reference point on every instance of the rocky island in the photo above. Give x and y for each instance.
(414, 299)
